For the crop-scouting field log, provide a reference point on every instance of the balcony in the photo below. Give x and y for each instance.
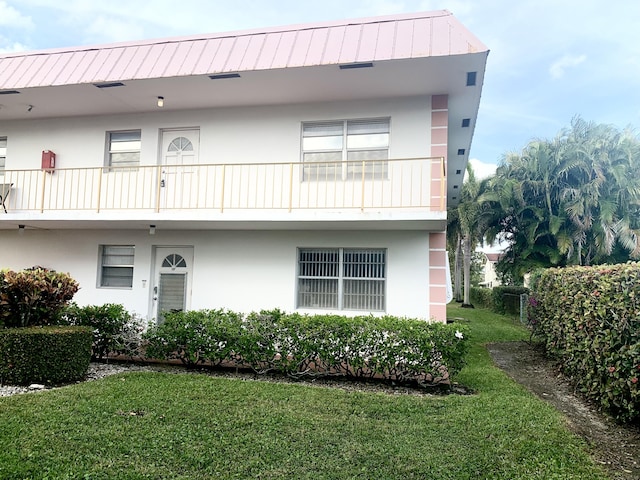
(355, 191)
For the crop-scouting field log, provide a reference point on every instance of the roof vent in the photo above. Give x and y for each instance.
(461, 151)
(109, 85)
(8, 92)
(466, 122)
(458, 172)
(350, 66)
(224, 75)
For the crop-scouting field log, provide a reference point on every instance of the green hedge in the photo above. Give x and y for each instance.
(589, 317)
(506, 300)
(47, 355)
(388, 348)
(115, 331)
(481, 297)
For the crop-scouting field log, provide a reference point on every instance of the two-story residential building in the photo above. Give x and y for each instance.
(307, 167)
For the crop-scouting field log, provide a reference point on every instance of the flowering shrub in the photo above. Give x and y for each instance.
(589, 318)
(194, 337)
(387, 348)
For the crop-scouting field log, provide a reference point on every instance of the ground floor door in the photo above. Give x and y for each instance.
(172, 280)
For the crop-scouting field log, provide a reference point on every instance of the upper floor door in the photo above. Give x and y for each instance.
(180, 149)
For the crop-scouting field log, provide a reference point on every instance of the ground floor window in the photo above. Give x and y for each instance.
(116, 266)
(342, 278)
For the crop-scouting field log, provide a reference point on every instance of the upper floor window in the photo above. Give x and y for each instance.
(124, 148)
(3, 154)
(340, 150)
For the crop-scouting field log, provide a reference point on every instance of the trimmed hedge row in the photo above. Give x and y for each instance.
(49, 355)
(589, 317)
(387, 348)
(481, 297)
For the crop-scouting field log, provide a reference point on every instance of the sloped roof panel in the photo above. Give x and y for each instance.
(300, 49)
(316, 48)
(329, 43)
(368, 43)
(386, 40)
(192, 57)
(214, 56)
(269, 49)
(283, 53)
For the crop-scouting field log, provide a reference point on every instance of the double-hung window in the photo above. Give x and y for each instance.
(342, 278)
(3, 154)
(123, 148)
(116, 266)
(345, 150)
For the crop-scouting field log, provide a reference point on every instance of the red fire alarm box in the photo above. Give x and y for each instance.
(48, 160)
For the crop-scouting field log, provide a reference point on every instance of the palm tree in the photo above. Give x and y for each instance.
(454, 244)
(472, 214)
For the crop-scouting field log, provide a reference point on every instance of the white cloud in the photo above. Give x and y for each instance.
(558, 67)
(10, 17)
(482, 169)
(14, 47)
(111, 29)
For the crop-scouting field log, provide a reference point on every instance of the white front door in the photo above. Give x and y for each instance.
(172, 280)
(179, 152)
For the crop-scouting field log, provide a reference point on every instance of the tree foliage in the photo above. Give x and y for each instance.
(571, 200)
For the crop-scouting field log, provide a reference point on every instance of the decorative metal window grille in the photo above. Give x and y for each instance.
(340, 150)
(174, 261)
(342, 279)
(180, 144)
(116, 266)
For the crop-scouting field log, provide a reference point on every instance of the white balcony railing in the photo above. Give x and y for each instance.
(417, 183)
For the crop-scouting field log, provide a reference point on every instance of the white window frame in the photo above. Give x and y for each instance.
(3, 154)
(342, 162)
(324, 283)
(107, 253)
(123, 142)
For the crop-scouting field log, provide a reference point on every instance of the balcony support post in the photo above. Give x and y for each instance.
(362, 199)
(44, 184)
(224, 172)
(158, 187)
(290, 187)
(101, 174)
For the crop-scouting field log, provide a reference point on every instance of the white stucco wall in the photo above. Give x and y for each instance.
(227, 135)
(240, 270)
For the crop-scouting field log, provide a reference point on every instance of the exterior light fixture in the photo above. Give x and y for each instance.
(20, 229)
(152, 229)
(160, 102)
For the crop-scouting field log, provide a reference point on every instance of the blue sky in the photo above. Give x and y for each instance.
(550, 59)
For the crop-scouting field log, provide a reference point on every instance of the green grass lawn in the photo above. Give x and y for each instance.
(154, 425)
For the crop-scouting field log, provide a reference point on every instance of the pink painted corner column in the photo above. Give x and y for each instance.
(438, 240)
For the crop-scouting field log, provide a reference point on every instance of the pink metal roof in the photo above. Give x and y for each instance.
(365, 40)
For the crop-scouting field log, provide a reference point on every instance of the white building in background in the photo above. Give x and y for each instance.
(307, 168)
(490, 276)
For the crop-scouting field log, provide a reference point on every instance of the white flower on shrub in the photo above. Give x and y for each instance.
(459, 335)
